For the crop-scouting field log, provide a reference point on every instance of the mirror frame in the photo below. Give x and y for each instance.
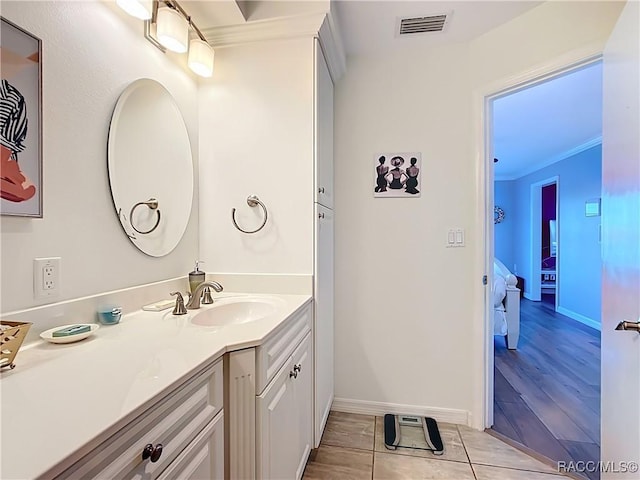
(150, 167)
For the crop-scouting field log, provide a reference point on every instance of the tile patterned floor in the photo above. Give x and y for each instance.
(352, 448)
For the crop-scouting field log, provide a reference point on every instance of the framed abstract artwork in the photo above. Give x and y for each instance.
(20, 122)
(397, 174)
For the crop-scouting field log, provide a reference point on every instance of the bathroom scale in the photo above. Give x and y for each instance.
(407, 431)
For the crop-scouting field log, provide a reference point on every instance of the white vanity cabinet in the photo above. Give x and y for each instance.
(203, 459)
(283, 418)
(160, 397)
(270, 407)
(179, 436)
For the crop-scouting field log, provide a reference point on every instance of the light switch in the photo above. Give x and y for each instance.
(455, 237)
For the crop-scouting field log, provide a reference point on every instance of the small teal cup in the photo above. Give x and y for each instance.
(109, 314)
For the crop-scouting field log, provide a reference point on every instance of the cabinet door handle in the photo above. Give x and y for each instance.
(157, 453)
(321, 215)
(148, 450)
(154, 453)
(321, 190)
(293, 373)
(297, 368)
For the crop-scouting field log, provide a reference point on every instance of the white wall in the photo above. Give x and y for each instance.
(401, 328)
(503, 232)
(91, 52)
(409, 312)
(541, 35)
(256, 138)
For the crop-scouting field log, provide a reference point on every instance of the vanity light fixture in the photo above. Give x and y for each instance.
(172, 30)
(201, 57)
(169, 27)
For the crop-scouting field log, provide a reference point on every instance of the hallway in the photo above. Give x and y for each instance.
(547, 393)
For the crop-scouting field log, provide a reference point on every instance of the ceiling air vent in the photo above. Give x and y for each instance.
(432, 23)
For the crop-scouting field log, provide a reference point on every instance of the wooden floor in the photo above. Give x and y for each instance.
(547, 393)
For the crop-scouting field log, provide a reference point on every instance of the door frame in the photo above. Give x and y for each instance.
(535, 290)
(483, 107)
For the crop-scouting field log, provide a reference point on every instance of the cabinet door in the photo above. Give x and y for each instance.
(284, 418)
(203, 459)
(323, 103)
(276, 425)
(323, 320)
(303, 395)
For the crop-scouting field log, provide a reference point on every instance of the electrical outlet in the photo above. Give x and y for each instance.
(46, 277)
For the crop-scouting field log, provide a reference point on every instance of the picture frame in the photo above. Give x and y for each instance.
(21, 170)
(397, 174)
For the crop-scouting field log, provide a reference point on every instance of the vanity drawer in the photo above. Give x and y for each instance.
(173, 422)
(274, 352)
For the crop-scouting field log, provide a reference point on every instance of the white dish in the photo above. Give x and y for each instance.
(48, 334)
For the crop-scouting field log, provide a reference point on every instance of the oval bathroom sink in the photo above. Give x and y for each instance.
(235, 311)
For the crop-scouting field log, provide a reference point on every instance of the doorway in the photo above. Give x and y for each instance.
(547, 391)
(544, 242)
(549, 249)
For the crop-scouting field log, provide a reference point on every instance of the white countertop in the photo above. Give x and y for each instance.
(61, 397)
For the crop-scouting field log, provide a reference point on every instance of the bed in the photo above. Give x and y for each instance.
(506, 304)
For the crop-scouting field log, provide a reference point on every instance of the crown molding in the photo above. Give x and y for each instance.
(273, 29)
(318, 25)
(332, 47)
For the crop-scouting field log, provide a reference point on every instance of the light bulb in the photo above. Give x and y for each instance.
(201, 58)
(172, 30)
(136, 8)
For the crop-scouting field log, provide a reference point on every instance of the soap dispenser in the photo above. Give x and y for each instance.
(196, 277)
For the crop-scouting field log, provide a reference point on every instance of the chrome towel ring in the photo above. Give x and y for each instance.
(152, 203)
(252, 201)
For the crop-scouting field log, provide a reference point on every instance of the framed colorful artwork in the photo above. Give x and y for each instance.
(20, 122)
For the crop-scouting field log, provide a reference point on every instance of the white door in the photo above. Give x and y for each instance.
(323, 98)
(303, 394)
(323, 319)
(277, 428)
(621, 246)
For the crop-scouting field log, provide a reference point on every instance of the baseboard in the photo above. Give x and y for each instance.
(579, 318)
(446, 415)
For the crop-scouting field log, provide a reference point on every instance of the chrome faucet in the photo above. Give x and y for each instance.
(194, 300)
(179, 308)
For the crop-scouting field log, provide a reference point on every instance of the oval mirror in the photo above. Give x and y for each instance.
(150, 167)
